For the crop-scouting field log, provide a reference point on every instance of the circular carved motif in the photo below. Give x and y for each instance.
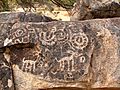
(19, 32)
(61, 35)
(59, 58)
(79, 41)
(54, 35)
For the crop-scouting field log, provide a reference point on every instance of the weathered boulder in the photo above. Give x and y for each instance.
(23, 17)
(91, 9)
(83, 54)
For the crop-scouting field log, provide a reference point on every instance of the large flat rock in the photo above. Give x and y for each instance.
(82, 54)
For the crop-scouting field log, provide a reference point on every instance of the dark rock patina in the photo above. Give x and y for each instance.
(23, 17)
(81, 54)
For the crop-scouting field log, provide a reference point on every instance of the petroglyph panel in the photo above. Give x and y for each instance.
(60, 54)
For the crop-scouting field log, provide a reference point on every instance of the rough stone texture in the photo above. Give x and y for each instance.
(23, 17)
(61, 54)
(90, 9)
(6, 77)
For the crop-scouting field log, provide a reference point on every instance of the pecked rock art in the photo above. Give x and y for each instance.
(62, 54)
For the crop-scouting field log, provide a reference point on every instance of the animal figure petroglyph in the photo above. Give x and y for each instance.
(28, 65)
(70, 60)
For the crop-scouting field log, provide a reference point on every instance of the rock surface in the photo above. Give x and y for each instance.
(84, 54)
(23, 17)
(6, 74)
(91, 9)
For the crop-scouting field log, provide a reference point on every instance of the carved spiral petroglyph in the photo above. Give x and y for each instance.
(54, 35)
(62, 54)
(78, 40)
(19, 35)
(48, 37)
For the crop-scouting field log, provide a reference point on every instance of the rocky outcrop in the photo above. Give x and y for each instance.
(42, 55)
(23, 17)
(91, 9)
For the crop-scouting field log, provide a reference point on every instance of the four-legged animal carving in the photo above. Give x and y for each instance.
(28, 65)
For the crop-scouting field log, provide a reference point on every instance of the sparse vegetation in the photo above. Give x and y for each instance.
(29, 5)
